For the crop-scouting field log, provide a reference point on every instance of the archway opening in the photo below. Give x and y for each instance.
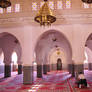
(86, 61)
(88, 54)
(35, 70)
(48, 41)
(1, 63)
(1, 58)
(59, 64)
(57, 59)
(12, 52)
(14, 59)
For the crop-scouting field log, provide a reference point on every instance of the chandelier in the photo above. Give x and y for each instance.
(87, 1)
(5, 3)
(58, 50)
(45, 16)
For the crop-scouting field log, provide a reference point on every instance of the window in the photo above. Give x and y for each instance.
(8, 9)
(59, 4)
(34, 6)
(51, 5)
(41, 4)
(68, 3)
(17, 7)
(1, 10)
(85, 5)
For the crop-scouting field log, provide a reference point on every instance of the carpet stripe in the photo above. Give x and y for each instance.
(69, 85)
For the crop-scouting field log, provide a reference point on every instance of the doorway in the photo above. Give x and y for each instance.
(59, 64)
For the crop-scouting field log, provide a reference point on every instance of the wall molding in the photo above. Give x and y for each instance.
(61, 19)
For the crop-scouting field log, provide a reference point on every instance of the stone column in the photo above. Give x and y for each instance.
(45, 69)
(89, 66)
(55, 67)
(27, 74)
(48, 68)
(71, 69)
(79, 68)
(7, 70)
(39, 71)
(52, 67)
(19, 69)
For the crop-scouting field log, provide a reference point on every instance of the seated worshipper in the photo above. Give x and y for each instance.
(81, 80)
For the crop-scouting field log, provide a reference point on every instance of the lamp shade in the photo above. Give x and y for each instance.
(5, 3)
(45, 16)
(87, 1)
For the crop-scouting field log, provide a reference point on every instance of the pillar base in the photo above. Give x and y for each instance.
(7, 71)
(27, 74)
(71, 69)
(19, 69)
(39, 71)
(48, 68)
(79, 68)
(89, 66)
(44, 69)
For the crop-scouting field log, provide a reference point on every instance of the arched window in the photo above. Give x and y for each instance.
(1, 11)
(68, 4)
(9, 9)
(59, 5)
(17, 7)
(34, 6)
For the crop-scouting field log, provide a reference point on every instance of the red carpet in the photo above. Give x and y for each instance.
(56, 81)
(88, 75)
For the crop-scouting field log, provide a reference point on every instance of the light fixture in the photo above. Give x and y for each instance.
(58, 51)
(56, 46)
(53, 36)
(5, 3)
(87, 1)
(54, 39)
(45, 16)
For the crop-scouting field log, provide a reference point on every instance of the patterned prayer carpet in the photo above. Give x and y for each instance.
(56, 81)
(88, 75)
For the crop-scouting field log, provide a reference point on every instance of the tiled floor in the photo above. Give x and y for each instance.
(56, 81)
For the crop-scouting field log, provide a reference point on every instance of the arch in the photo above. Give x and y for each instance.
(51, 31)
(8, 42)
(51, 35)
(87, 37)
(62, 55)
(88, 42)
(88, 48)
